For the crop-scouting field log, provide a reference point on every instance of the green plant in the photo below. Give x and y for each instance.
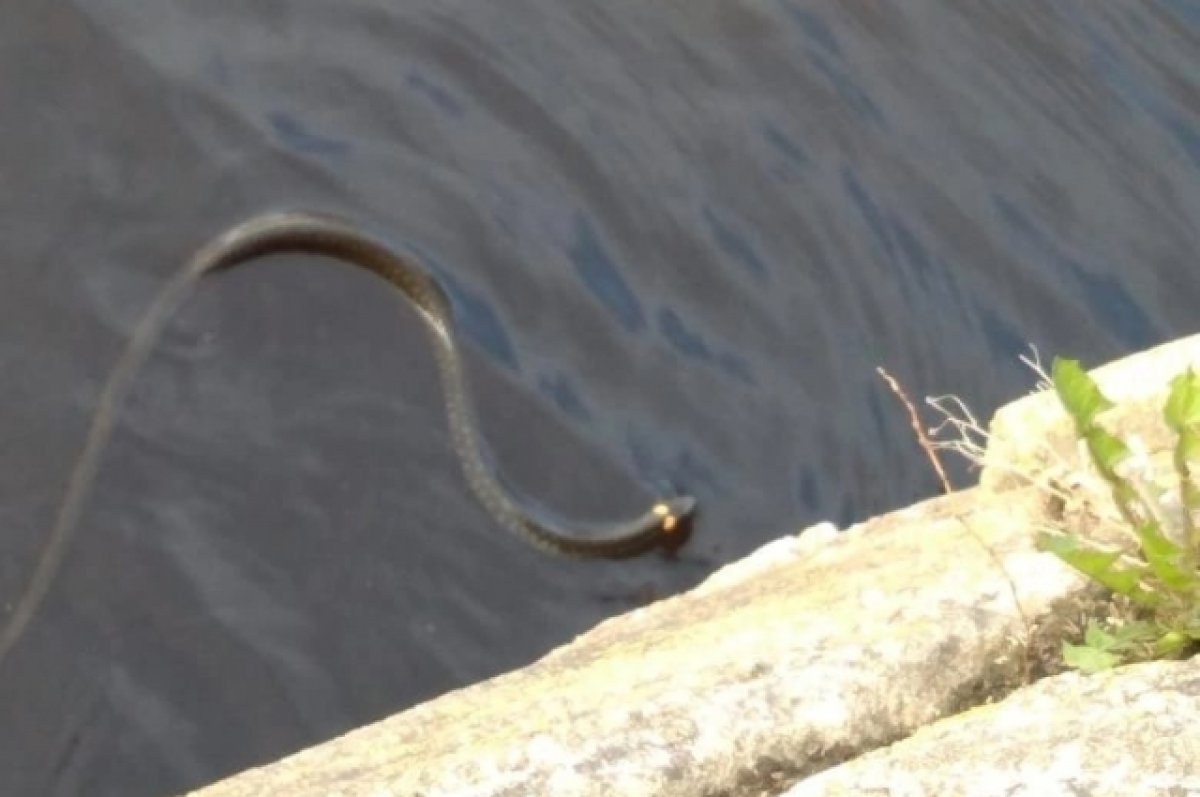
(1159, 579)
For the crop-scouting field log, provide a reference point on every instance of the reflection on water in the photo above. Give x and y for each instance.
(678, 238)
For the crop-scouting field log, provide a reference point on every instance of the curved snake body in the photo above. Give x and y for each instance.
(303, 232)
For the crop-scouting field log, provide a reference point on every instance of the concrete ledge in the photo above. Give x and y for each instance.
(1062, 737)
(752, 682)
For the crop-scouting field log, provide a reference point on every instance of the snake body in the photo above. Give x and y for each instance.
(311, 233)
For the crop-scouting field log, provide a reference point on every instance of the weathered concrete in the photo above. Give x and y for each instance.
(813, 652)
(1132, 731)
(817, 654)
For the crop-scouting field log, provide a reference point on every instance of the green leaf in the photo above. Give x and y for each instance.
(1165, 558)
(1133, 633)
(1097, 638)
(1183, 403)
(1188, 445)
(1078, 393)
(1127, 500)
(1154, 543)
(1171, 642)
(1190, 494)
(1174, 573)
(1088, 660)
(1107, 450)
(1100, 566)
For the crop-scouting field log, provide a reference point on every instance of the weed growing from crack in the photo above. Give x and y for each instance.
(1155, 575)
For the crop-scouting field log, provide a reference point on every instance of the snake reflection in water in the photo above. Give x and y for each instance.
(302, 232)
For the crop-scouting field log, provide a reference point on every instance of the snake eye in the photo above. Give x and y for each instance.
(663, 510)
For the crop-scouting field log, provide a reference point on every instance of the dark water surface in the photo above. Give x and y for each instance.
(679, 235)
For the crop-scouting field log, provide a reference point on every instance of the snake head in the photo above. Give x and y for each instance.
(675, 520)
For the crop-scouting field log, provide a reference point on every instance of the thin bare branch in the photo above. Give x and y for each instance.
(918, 430)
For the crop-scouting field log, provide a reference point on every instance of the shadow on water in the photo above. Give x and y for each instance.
(679, 239)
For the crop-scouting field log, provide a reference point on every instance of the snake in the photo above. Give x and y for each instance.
(663, 524)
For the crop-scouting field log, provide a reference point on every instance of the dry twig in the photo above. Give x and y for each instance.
(918, 430)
